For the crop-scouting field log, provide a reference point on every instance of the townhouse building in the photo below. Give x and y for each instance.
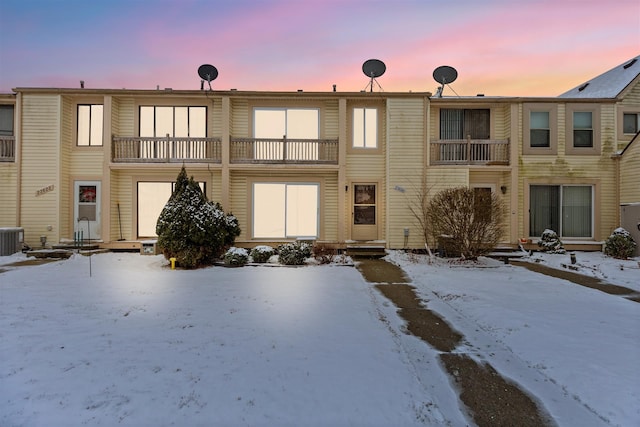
(337, 167)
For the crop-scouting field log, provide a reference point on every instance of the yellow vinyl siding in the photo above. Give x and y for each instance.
(8, 194)
(40, 168)
(630, 174)
(405, 153)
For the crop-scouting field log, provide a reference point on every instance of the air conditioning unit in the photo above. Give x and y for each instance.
(11, 240)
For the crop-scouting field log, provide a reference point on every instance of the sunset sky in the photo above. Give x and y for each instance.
(499, 47)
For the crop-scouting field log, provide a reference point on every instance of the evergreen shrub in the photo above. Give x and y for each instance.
(236, 256)
(262, 253)
(550, 242)
(620, 244)
(293, 253)
(192, 229)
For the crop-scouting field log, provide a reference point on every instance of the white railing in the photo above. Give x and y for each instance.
(166, 150)
(7, 148)
(284, 150)
(470, 152)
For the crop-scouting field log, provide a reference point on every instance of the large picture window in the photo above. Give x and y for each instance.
(565, 209)
(285, 210)
(152, 197)
(90, 122)
(158, 121)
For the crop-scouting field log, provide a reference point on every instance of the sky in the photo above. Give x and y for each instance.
(121, 339)
(498, 47)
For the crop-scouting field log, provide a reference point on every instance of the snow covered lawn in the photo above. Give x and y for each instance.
(138, 344)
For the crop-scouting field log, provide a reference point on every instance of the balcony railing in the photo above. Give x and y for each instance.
(470, 152)
(290, 151)
(7, 148)
(166, 150)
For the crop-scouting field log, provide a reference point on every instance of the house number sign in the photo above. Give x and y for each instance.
(44, 190)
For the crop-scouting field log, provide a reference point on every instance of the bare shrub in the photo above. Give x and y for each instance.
(471, 220)
(324, 253)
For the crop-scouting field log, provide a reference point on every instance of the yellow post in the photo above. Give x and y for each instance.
(173, 263)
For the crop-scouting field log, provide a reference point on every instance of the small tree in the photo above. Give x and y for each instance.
(620, 244)
(192, 229)
(471, 220)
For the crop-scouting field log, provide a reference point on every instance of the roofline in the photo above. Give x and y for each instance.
(218, 93)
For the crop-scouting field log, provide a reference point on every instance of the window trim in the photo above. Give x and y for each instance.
(596, 123)
(552, 109)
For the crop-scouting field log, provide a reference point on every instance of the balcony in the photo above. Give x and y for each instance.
(7, 148)
(470, 152)
(166, 150)
(284, 151)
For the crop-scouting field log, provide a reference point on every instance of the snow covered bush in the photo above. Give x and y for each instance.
(192, 229)
(550, 242)
(262, 253)
(620, 244)
(236, 256)
(293, 253)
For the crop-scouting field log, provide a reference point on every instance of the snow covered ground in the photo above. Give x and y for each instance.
(137, 344)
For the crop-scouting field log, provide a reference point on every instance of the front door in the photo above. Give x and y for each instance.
(365, 212)
(86, 213)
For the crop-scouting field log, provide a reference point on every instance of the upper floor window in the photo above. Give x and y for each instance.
(158, 121)
(583, 129)
(90, 120)
(271, 126)
(540, 128)
(467, 123)
(6, 120)
(293, 123)
(631, 123)
(540, 132)
(365, 127)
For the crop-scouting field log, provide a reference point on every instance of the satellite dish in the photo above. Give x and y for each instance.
(207, 72)
(444, 75)
(373, 68)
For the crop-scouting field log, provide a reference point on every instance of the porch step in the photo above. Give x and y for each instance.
(83, 246)
(50, 253)
(366, 251)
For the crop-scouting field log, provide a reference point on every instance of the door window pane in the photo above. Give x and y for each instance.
(576, 211)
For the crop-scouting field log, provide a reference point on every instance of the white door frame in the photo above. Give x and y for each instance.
(87, 209)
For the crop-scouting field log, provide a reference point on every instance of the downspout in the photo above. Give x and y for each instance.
(616, 157)
(18, 157)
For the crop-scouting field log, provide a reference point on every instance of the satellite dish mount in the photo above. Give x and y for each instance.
(444, 75)
(208, 73)
(373, 68)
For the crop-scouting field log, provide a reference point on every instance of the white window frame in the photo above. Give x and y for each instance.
(280, 207)
(365, 128)
(89, 125)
